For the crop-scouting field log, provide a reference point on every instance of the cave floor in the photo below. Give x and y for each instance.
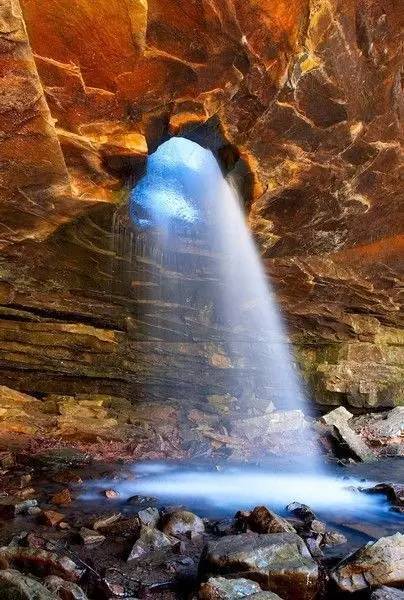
(59, 481)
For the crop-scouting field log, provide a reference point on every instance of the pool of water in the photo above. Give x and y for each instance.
(218, 491)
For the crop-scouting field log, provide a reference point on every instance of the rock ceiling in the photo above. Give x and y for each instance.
(308, 93)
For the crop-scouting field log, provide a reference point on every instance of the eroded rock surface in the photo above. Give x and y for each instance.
(386, 593)
(150, 540)
(183, 522)
(376, 564)
(219, 588)
(303, 102)
(64, 589)
(14, 584)
(279, 562)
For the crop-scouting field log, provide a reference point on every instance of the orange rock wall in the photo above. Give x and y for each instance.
(308, 92)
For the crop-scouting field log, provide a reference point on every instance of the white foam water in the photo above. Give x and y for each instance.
(228, 488)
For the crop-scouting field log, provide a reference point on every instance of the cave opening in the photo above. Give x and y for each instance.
(193, 256)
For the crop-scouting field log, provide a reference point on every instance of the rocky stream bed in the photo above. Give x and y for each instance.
(68, 531)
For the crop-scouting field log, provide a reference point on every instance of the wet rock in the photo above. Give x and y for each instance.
(219, 588)
(25, 479)
(51, 517)
(317, 527)
(141, 500)
(60, 458)
(393, 491)
(264, 596)
(16, 586)
(387, 428)
(375, 564)
(263, 520)
(10, 507)
(110, 494)
(25, 493)
(338, 419)
(66, 590)
(124, 528)
(34, 511)
(333, 538)
(183, 522)
(41, 562)
(106, 522)
(90, 537)
(222, 527)
(67, 476)
(7, 460)
(18, 540)
(387, 593)
(301, 511)
(279, 562)
(150, 540)
(272, 422)
(35, 541)
(62, 498)
(149, 516)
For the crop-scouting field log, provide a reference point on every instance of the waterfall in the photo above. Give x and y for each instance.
(184, 200)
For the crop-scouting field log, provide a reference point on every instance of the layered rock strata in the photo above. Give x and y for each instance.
(301, 102)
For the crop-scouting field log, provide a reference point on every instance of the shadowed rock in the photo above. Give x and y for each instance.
(183, 522)
(219, 588)
(150, 540)
(278, 562)
(15, 585)
(316, 160)
(386, 593)
(41, 562)
(376, 564)
(66, 590)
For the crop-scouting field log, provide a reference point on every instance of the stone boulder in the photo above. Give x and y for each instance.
(40, 562)
(183, 522)
(66, 590)
(220, 588)
(16, 586)
(279, 562)
(393, 491)
(150, 540)
(339, 420)
(375, 564)
(389, 426)
(149, 516)
(263, 520)
(265, 596)
(387, 593)
(384, 431)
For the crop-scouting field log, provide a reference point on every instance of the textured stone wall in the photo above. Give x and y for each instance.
(308, 96)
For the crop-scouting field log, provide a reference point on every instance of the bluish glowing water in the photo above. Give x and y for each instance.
(184, 188)
(175, 190)
(221, 491)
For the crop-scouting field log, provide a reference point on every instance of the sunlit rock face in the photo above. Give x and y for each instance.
(306, 92)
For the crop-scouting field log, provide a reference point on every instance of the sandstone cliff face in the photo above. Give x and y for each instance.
(305, 96)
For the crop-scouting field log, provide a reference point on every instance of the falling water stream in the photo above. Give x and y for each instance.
(185, 200)
(184, 194)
